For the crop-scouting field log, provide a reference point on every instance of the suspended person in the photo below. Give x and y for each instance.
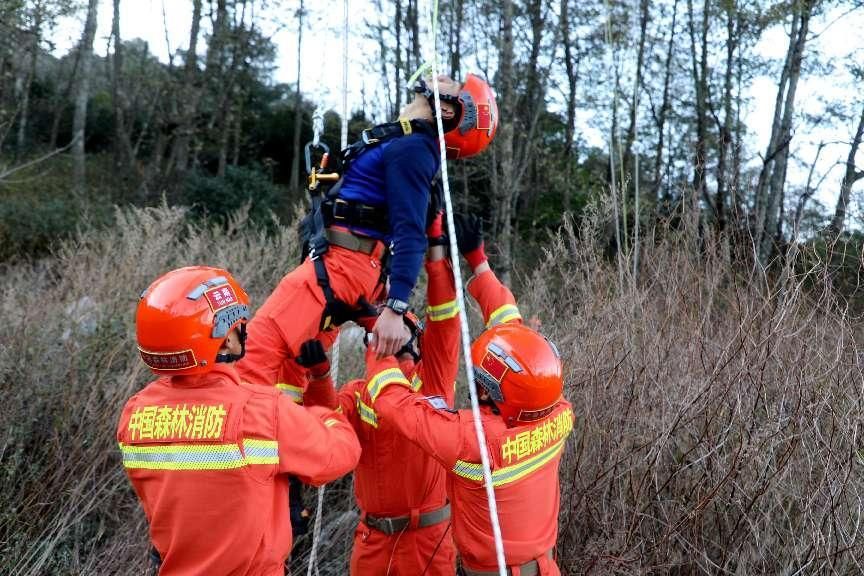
(207, 455)
(404, 526)
(525, 418)
(375, 222)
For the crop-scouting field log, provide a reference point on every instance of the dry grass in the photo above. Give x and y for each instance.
(719, 408)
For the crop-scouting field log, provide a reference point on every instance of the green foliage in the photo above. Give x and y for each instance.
(38, 208)
(217, 198)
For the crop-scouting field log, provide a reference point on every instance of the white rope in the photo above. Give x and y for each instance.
(334, 355)
(460, 297)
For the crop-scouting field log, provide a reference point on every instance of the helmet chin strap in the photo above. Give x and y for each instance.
(420, 87)
(227, 358)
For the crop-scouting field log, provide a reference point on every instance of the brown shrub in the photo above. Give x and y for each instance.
(718, 406)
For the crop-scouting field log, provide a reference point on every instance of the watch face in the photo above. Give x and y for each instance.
(397, 306)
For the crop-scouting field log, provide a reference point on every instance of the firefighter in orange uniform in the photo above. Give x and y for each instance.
(208, 456)
(404, 527)
(381, 206)
(525, 418)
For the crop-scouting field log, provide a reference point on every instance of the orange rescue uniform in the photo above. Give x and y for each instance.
(395, 478)
(209, 458)
(524, 459)
(292, 314)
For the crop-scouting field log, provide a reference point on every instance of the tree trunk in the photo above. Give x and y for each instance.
(504, 189)
(190, 95)
(124, 158)
(850, 176)
(571, 66)
(725, 129)
(298, 108)
(773, 176)
(637, 86)
(79, 120)
(35, 35)
(699, 61)
(661, 116)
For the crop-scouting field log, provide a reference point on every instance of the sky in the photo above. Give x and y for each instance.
(837, 38)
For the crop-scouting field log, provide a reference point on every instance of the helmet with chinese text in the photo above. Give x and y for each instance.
(520, 370)
(184, 317)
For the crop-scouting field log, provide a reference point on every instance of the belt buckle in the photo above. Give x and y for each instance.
(366, 138)
(335, 208)
(391, 527)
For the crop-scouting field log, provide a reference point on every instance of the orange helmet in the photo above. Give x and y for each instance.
(520, 369)
(477, 120)
(184, 317)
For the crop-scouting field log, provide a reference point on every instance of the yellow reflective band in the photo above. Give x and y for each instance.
(200, 456)
(384, 379)
(293, 392)
(330, 422)
(416, 382)
(508, 474)
(506, 313)
(443, 311)
(261, 451)
(367, 414)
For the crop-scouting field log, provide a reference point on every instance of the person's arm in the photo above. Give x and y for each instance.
(442, 433)
(410, 165)
(315, 444)
(440, 345)
(495, 299)
(319, 388)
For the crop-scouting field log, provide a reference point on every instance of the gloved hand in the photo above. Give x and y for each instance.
(314, 358)
(435, 230)
(362, 313)
(469, 238)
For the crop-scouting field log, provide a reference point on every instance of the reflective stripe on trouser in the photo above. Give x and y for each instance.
(407, 553)
(530, 568)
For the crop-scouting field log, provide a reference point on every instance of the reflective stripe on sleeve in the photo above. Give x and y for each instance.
(506, 313)
(367, 414)
(261, 451)
(443, 311)
(293, 392)
(384, 379)
(474, 471)
(416, 382)
(200, 456)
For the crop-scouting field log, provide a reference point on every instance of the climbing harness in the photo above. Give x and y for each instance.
(460, 298)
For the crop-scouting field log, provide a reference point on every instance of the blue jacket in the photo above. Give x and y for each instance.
(397, 174)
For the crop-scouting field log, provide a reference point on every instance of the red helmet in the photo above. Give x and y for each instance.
(520, 369)
(184, 317)
(477, 121)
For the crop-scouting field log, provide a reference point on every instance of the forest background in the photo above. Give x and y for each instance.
(701, 278)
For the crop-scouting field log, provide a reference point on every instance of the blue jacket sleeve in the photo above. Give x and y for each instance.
(410, 164)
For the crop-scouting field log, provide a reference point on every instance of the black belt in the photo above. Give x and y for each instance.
(530, 568)
(394, 524)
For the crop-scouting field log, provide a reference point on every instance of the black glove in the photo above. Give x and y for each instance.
(312, 353)
(469, 232)
(360, 313)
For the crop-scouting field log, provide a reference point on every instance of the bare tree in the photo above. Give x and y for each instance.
(850, 177)
(298, 106)
(769, 191)
(79, 120)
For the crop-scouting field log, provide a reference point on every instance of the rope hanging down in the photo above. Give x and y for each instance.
(460, 297)
(334, 356)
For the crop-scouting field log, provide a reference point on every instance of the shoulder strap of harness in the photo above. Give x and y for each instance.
(381, 133)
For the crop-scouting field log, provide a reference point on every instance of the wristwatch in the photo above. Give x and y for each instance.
(398, 306)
